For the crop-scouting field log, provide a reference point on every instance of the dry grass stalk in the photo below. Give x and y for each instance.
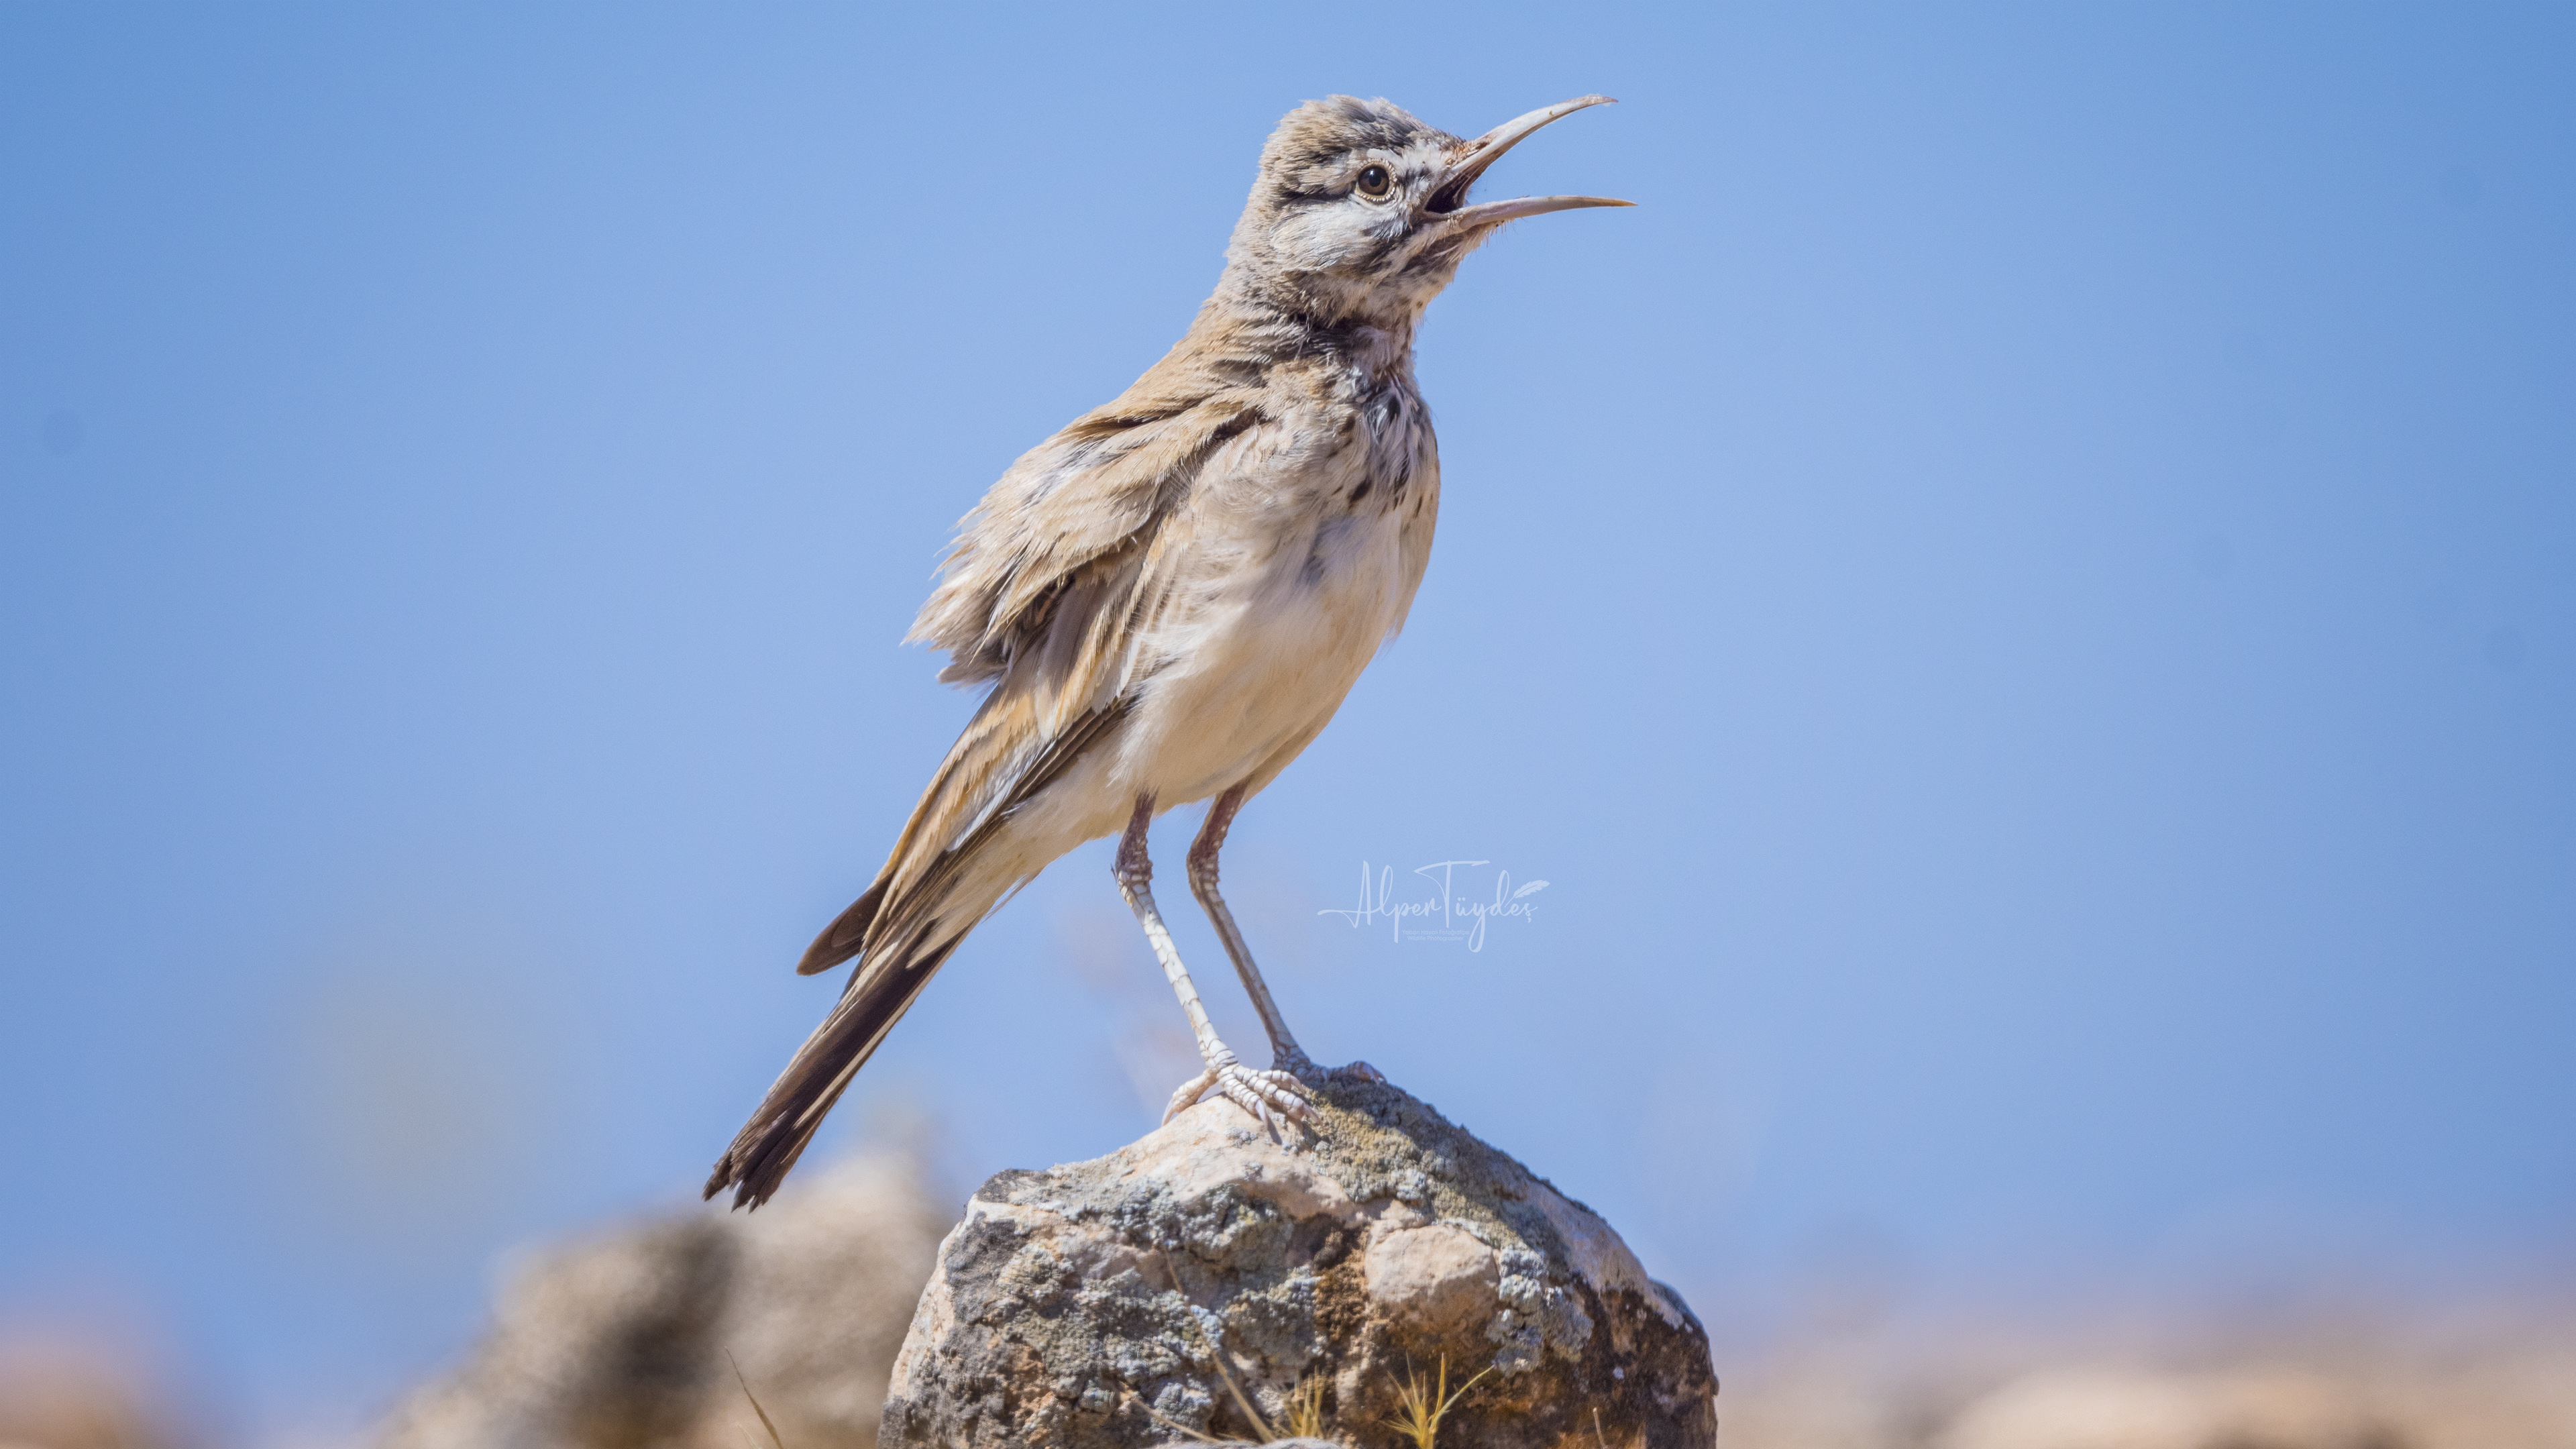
(775, 1441)
(1422, 1408)
(1306, 1410)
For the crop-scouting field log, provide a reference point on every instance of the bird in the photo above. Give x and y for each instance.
(1167, 600)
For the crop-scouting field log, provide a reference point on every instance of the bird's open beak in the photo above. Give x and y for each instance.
(1448, 200)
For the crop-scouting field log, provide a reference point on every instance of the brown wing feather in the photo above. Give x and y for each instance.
(1087, 494)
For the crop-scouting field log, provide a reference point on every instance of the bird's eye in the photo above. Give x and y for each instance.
(1376, 182)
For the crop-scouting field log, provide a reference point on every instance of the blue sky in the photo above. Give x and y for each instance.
(2021, 602)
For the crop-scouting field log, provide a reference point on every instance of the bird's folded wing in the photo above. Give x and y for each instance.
(1061, 573)
(1096, 489)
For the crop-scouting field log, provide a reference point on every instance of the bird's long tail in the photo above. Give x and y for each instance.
(878, 995)
(901, 930)
(923, 904)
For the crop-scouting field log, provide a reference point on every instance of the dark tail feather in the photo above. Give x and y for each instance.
(893, 973)
(848, 932)
(776, 1135)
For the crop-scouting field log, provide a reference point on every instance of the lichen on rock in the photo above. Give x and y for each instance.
(1201, 1276)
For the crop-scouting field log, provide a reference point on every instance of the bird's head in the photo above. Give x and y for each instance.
(1361, 212)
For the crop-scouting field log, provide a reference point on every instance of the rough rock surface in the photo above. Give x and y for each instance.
(1108, 1303)
(623, 1342)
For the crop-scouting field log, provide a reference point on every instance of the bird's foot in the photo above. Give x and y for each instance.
(1297, 1064)
(1266, 1095)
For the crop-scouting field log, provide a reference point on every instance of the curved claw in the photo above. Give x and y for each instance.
(1365, 1073)
(1189, 1093)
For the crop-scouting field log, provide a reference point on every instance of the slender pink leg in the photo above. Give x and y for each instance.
(1260, 1093)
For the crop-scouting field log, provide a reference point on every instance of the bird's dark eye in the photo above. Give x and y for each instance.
(1375, 182)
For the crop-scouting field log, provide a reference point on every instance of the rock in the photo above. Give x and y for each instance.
(66, 1385)
(1300, 1442)
(2111, 1408)
(624, 1340)
(1151, 1294)
(2437, 1376)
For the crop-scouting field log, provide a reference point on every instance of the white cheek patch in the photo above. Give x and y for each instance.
(1336, 234)
(1306, 241)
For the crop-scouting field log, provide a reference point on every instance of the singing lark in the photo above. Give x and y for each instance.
(1170, 597)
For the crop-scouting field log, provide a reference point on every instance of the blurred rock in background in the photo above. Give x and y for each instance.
(634, 1338)
(77, 1387)
(2499, 1381)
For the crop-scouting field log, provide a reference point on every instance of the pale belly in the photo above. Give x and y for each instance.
(1261, 668)
(1250, 677)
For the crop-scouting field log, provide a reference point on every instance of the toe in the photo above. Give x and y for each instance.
(1285, 1093)
(1281, 1082)
(1266, 1095)
(1241, 1093)
(1190, 1091)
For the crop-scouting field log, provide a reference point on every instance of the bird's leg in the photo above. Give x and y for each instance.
(1260, 1093)
(1285, 1054)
